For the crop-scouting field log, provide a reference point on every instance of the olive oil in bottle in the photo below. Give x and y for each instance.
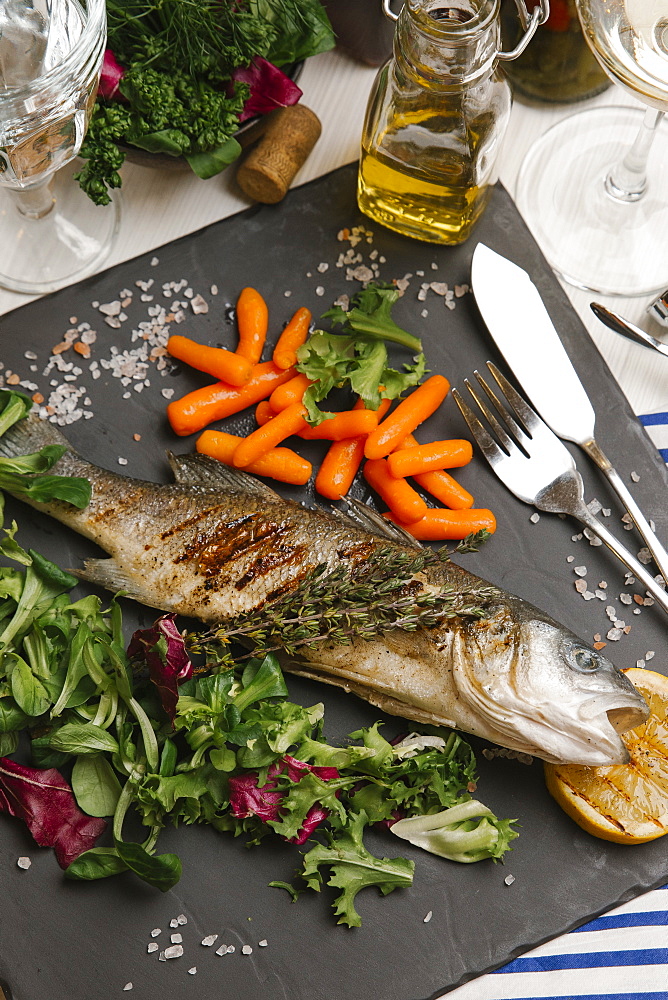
(435, 120)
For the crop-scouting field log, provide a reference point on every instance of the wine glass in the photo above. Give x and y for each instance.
(594, 189)
(50, 57)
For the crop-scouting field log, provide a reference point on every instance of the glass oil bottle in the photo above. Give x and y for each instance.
(435, 120)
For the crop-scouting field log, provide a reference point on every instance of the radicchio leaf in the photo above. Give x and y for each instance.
(270, 88)
(46, 804)
(247, 799)
(110, 77)
(163, 650)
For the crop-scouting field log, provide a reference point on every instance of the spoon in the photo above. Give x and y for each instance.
(627, 329)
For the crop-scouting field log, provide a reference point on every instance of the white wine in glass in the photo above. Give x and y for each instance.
(50, 57)
(594, 189)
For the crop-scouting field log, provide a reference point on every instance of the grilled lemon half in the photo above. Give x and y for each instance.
(626, 803)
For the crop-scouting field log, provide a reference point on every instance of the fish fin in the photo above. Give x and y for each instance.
(366, 517)
(200, 470)
(29, 435)
(111, 575)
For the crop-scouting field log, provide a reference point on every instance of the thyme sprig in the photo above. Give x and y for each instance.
(347, 603)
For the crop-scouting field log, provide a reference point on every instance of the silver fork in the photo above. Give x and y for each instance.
(536, 466)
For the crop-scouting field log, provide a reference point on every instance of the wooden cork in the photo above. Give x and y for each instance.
(269, 167)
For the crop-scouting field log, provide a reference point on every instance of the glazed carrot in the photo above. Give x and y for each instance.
(291, 392)
(339, 467)
(445, 489)
(343, 459)
(252, 323)
(263, 412)
(345, 424)
(410, 412)
(441, 485)
(430, 457)
(289, 421)
(404, 502)
(215, 402)
(280, 463)
(225, 365)
(441, 524)
(293, 336)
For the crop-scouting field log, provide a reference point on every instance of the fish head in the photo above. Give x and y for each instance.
(544, 690)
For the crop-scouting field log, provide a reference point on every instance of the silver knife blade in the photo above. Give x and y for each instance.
(522, 329)
(519, 323)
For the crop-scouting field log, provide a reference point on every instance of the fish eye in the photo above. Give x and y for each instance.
(583, 659)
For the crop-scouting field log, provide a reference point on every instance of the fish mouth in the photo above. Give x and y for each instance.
(597, 741)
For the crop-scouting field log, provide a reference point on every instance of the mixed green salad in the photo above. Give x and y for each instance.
(179, 76)
(109, 728)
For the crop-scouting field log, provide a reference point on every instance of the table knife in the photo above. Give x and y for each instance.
(626, 329)
(522, 329)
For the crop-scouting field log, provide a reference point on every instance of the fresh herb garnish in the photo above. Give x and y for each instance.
(357, 359)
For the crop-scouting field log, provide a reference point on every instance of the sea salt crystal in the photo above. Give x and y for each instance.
(174, 951)
(570, 559)
(320, 290)
(535, 518)
(151, 947)
(614, 634)
(214, 289)
(182, 919)
(209, 940)
(24, 863)
(176, 938)
(154, 261)
(231, 949)
(649, 655)
(246, 950)
(122, 461)
(626, 598)
(580, 570)
(581, 586)
(156, 931)
(161, 957)
(427, 917)
(600, 594)
(640, 664)
(199, 305)
(128, 986)
(173, 922)
(222, 950)
(110, 308)
(193, 971)
(262, 943)
(509, 879)
(635, 477)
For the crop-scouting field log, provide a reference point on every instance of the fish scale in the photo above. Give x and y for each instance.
(218, 543)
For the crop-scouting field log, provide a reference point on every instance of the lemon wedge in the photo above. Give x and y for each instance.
(626, 803)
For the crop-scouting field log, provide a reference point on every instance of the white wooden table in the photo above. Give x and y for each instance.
(160, 206)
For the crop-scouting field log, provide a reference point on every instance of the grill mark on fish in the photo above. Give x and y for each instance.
(281, 556)
(201, 515)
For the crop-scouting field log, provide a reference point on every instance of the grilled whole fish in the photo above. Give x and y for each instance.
(217, 543)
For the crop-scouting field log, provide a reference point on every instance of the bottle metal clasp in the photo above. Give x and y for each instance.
(530, 23)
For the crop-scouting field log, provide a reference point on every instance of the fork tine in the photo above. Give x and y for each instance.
(502, 434)
(526, 413)
(485, 441)
(505, 413)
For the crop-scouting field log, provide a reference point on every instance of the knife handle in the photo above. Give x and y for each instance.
(622, 553)
(659, 553)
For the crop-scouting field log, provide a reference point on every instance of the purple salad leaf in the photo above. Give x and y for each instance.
(270, 88)
(110, 77)
(163, 650)
(46, 804)
(249, 799)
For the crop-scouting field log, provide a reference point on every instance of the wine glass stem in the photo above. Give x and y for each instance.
(627, 180)
(35, 201)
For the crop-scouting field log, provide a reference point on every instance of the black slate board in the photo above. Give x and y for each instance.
(65, 941)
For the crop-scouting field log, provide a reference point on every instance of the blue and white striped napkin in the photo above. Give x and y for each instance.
(656, 425)
(620, 956)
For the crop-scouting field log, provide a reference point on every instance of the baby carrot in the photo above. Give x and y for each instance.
(345, 424)
(215, 402)
(410, 412)
(441, 485)
(441, 524)
(280, 463)
(405, 503)
(343, 459)
(444, 488)
(430, 457)
(263, 412)
(225, 365)
(252, 323)
(293, 336)
(289, 421)
(339, 467)
(291, 392)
